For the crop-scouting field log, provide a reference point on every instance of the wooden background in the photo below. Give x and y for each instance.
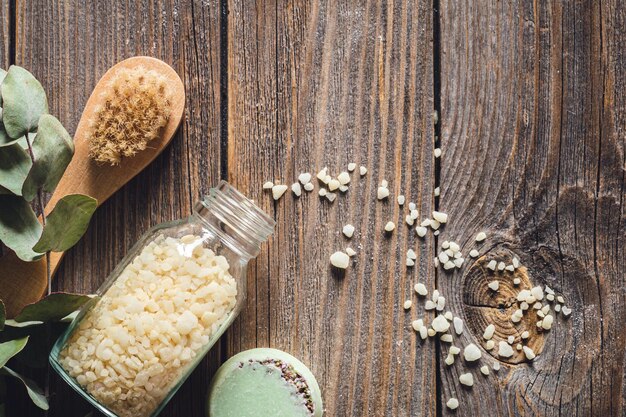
(532, 104)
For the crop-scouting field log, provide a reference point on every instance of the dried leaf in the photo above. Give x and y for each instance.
(34, 392)
(66, 223)
(54, 307)
(19, 227)
(24, 101)
(14, 167)
(53, 150)
(10, 349)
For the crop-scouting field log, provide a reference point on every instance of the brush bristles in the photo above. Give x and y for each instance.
(136, 106)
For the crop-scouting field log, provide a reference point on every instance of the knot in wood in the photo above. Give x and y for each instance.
(484, 306)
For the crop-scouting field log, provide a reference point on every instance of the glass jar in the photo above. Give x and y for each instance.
(163, 307)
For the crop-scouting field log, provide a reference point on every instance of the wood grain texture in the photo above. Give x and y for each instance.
(324, 83)
(5, 38)
(533, 154)
(69, 46)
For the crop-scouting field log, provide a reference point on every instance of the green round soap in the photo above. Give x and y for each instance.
(264, 383)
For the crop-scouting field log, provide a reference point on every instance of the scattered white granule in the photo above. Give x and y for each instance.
(504, 350)
(362, 170)
(501, 266)
(411, 254)
(304, 178)
(401, 200)
(471, 353)
(322, 175)
(390, 226)
(458, 325)
(446, 338)
(516, 281)
(421, 231)
(440, 216)
(510, 339)
(530, 354)
(481, 236)
(494, 285)
(440, 324)
(278, 191)
(296, 189)
(437, 192)
(449, 359)
(382, 193)
(466, 379)
(348, 230)
(546, 323)
(331, 197)
(351, 166)
(452, 404)
(421, 289)
(322, 192)
(490, 344)
(343, 188)
(407, 304)
(496, 366)
(309, 186)
(484, 370)
(454, 350)
(437, 152)
(333, 184)
(489, 331)
(492, 265)
(566, 311)
(474, 253)
(516, 263)
(340, 260)
(410, 262)
(343, 178)
(351, 252)
(268, 185)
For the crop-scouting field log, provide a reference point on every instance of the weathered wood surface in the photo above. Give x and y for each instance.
(314, 84)
(532, 127)
(533, 140)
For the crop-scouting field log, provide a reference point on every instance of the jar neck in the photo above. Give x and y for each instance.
(235, 219)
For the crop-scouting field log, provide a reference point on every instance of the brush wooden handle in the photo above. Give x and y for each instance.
(22, 283)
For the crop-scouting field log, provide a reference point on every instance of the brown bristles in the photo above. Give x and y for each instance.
(137, 105)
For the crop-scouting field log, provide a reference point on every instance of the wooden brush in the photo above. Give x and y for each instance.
(130, 117)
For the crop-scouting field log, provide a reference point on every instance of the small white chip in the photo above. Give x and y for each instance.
(448, 316)
(333, 184)
(429, 305)
(494, 285)
(484, 370)
(382, 193)
(446, 338)
(278, 191)
(322, 174)
(510, 268)
(504, 350)
(550, 297)
(384, 184)
(412, 206)
(454, 350)
(492, 265)
(268, 185)
(440, 324)
(401, 200)
(309, 186)
(410, 262)
(501, 266)
(466, 379)
(458, 325)
(518, 346)
(474, 253)
(340, 260)
(414, 214)
(351, 252)
(409, 220)
(417, 325)
(515, 263)
(471, 353)
(304, 178)
(331, 197)
(343, 178)
(458, 262)
(437, 152)
(481, 236)
(407, 304)
(424, 332)
(296, 189)
(489, 331)
(530, 354)
(322, 192)
(420, 289)
(362, 170)
(566, 311)
(490, 344)
(437, 191)
(348, 230)
(516, 281)
(390, 226)
(546, 323)
(537, 292)
(525, 334)
(411, 254)
(351, 166)
(496, 366)
(421, 231)
(343, 188)
(452, 404)
(431, 332)
(441, 303)
(440, 216)
(449, 360)
(449, 265)
(510, 340)
(560, 299)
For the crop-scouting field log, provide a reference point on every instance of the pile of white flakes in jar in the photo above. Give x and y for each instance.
(134, 345)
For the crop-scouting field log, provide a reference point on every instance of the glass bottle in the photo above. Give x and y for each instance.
(163, 307)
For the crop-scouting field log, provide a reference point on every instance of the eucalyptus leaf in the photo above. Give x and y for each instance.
(15, 164)
(53, 150)
(34, 392)
(19, 228)
(66, 223)
(10, 349)
(52, 308)
(3, 74)
(3, 315)
(24, 101)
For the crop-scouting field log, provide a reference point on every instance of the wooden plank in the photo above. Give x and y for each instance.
(68, 46)
(5, 37)
(322, 83)
(533, 154)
